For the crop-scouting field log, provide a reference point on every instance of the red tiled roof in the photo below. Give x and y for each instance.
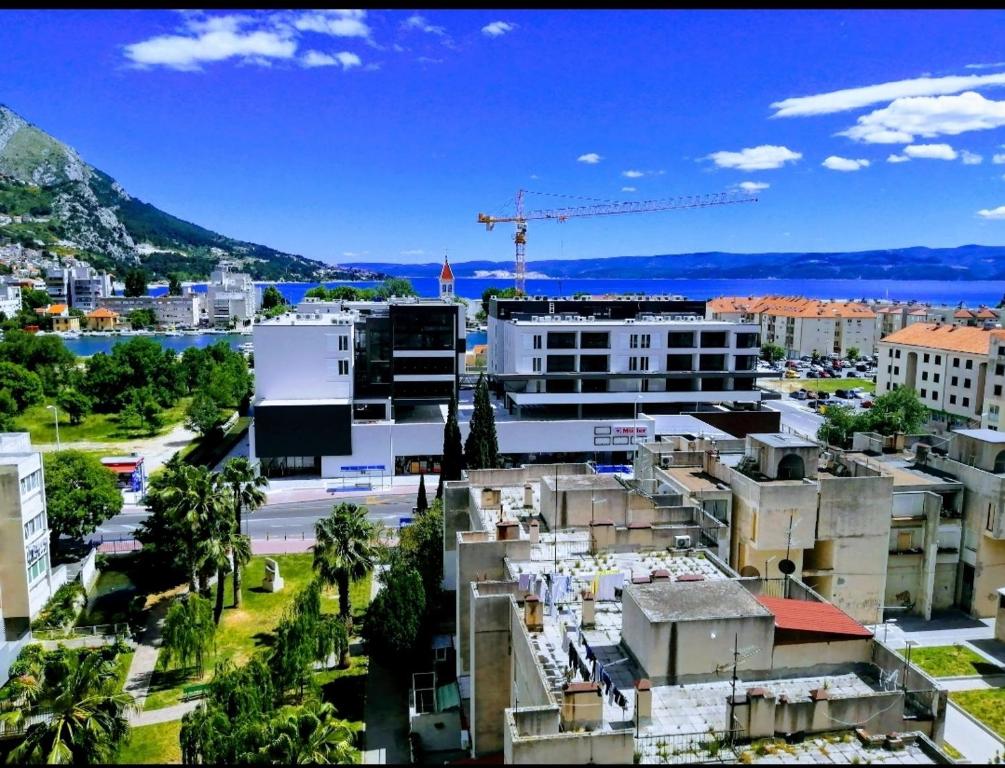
(809, 616)
(987, 313)
(952, 338)
(446, 273)
(103, 312)
(963, 313)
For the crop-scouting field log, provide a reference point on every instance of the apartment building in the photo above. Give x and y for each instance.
(10, 298)
(957, 370)
(608, 640)
(231, 297)
(183, 311)
(25, 576)
(594, 357)
(78, 285)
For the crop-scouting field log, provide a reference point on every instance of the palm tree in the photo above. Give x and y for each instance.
(225, 549)
(246, 487)
(199, 500)
(346, 550)
(311, 735)
(87, 714)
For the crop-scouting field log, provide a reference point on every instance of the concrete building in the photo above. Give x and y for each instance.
(803, 326)
(612, 642)
(956, 370)
(595, 356)
(10, 298)
(102, 319)
(231, 297)
(183, 311)
(77, 284)
(26, 580)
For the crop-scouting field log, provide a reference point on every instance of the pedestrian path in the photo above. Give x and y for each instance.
(163, 715)
(141, 669)
(977, 744)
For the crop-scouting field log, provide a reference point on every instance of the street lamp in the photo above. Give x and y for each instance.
(886, 629)
(55, 414)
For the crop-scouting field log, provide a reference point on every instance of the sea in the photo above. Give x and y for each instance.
(947, 292)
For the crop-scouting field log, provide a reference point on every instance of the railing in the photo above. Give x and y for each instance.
(684, 748)
(29, 718)
(73, 633)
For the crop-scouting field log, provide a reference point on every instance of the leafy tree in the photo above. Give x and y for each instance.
(247, 488)
(452, 462)
(421, 505)
(310, 735)
(174, 284)
(46, 356)
(421, 544)
(840, 423)
(502, 293)
(188, 632)
(853, 353)
(203, 415)
(167, 541)
(393, 620)
(76, 312)
(141, 412)
(24, 386)
(87, 718)
(142, 318)
(772, 352)
(345, 550)
(8, 411)
(33, 299)
(481, 450)
(136, 282)
(271, 297)
(80, 492)
(141, 363)
(75, 404)
(897, 411)
(395, 286)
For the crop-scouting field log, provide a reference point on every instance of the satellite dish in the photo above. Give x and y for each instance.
(787, 567)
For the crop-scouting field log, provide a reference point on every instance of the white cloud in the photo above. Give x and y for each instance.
(898, 159)
(836, 163)
(855, 98)
(590, 158)
(354, 254)
(762, 158)
(970, 158)
(318, 59)
(753, 186)
(998, 159)
(633, 174)
(629, 189)
(348, 23)
(931, 151)
(217, 40)
(419, 22)
(498, 28)
(928, 116)
(414, 252)
(993, 213)
(993, 65)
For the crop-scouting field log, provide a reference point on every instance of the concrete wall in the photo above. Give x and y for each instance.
(438, 730)
(648, 643)
(532, 738)
(488, 628)
(697, 653)
(924, 690)
(530, 689)
(802, 657)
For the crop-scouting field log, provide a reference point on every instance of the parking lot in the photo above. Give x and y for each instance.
(815, 386)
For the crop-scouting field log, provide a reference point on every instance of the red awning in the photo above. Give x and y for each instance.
(810, 616)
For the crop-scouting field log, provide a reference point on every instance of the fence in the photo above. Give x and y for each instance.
(29, 718)
(685, 748)
(74, 633)
(115, 544)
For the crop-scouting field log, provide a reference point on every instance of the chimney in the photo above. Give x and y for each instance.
(589, 619)
(528, 496)
(602, 534)
(507, 530)
(661, 574)
(533, 613)
(582, 706)
(643, 702)
(534, 528)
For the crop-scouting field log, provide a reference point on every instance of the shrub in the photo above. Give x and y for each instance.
(63, 607)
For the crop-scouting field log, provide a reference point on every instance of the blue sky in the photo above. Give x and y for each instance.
(379, 135)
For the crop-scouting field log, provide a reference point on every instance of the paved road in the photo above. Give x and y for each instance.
(294, 519)
(795, 417)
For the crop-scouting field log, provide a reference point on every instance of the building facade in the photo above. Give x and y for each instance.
(183, 311)
(231, 297)
(78, 285)
(10, 298)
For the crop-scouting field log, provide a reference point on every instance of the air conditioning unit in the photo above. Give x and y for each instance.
(666, 462)
(682, 542)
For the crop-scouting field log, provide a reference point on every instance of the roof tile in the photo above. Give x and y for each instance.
(810, 616)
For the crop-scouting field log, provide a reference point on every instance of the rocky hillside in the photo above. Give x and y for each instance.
(50, 196)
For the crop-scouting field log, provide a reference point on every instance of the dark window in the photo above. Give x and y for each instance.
(713, 384)
(713, 339)
(897, 354)
(712, 363)
(952, 399)
(889, 369)
(589, 340)
(935, 377)
(924, 375)
(369, 411)
(935, 395)
(926, 357)
(966, 383)
(955, 381)
(537, 341)
(593, 363)
(747, 340)
(423, 329)
(680, 339)
(1000, 370)
(970, 365)
(924, 393)
(680, 385)
(680, 362)
(561, 363)
(560, 385)
(966, 402)
(558, 340)
(956, 362)
(746, 363)
(998, 390)
(419, 365)
(896, 370)
(938, 359)
(594, 385)
(743, 383)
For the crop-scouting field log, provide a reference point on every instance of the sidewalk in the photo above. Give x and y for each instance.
(164, 715)
(284, 491)
(145, 657)
(976, 743)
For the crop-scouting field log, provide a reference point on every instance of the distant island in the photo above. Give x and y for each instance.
(966, 262)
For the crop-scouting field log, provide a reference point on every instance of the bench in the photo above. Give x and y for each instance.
(190, 692)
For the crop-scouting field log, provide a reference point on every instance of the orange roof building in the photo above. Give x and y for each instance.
(801, 617)
(103, 312)
(950, 338)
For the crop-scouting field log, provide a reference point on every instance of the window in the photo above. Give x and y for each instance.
(343, 343)
(970, 365)
(633, 341)
(935, 378)
(935, 395)
(645, 385)
(966, 383)
(938, 359)
(561, 340)
(343, 366)
(536, 364)
(645, 340)
(537, 341)
(37, 569)
(966, 402)
(897, 354)
(924, 393)
(33, 526)
(896, 370)
(1000, 369)
(1001, 351)
(679, 339)
(955, 381)
(924, 375)
(638, 364)
(952, 399)
(998, 390)
(31, 482)
(990, 520)
(889, 369)
(926, 357)
(956, 362)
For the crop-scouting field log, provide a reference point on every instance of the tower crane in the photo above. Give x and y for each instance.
(600, 209)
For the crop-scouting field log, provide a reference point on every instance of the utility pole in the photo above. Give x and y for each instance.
(732, 697)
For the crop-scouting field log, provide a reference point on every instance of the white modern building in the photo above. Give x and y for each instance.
(180, 311)
(230, 295)
(10, 298)
(25, 576)
(78, 285)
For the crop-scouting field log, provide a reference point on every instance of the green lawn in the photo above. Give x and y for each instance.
(151, 745)
(242, 632)
(951, 661)
(346, 688)
(987, 705)
(96, 427)
(832, 385)
(122, 662)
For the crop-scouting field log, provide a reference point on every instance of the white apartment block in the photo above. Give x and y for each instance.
(230, 295)
(78, 285)
(183, 311)
(803, 326)
(954, 369)
(10, 298)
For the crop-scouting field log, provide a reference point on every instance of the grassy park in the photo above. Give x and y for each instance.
(95, 428)
(986, 705)
(951, 661)
(152, 745)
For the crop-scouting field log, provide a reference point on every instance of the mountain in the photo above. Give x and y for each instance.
(50, 196)
(966, 262)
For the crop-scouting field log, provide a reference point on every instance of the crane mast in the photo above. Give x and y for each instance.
(600, 209)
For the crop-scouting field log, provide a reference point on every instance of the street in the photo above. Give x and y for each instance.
(796, 418)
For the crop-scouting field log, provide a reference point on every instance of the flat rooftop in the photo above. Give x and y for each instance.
(984, 435)
(695, 479)
(664, 601)
(782, 440)
(906, 474)
(683, 424)
(603, 482)
(841, 748)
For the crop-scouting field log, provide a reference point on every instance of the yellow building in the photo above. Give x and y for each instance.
(65, 323)
(102, 319)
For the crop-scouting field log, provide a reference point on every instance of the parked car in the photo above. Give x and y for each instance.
(862, 367)
(791, 373)
(852, 374)
(842, 393)
(812, 375)
(826, 375)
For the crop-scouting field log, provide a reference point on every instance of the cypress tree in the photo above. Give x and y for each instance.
(482, 447)
(453, 455)
(421, 505)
